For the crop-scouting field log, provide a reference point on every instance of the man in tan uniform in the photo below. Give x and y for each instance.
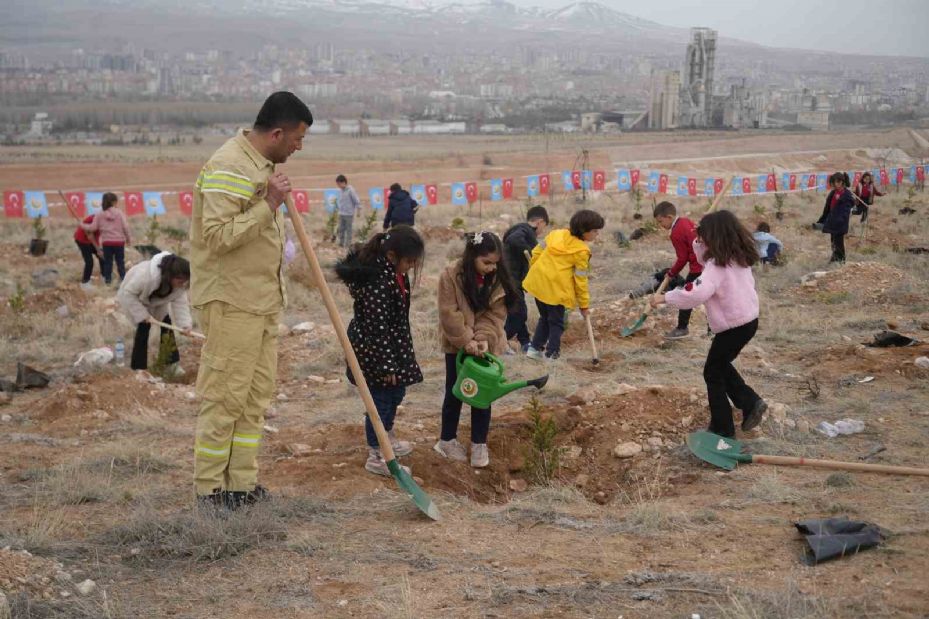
(236, 258)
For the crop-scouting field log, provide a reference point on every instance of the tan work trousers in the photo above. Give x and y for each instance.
(238, 368)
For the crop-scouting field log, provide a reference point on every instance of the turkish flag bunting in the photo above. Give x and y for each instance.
(301, 200)
(899, 176)
(186, 201)
(13, 203)
(746, 185)
(811, 182)
(717, 185)
(663, 183)
(793, 182)
(885, 180)
(75, 202)
(471, 192)
(599, 180)
(576, 178)
(507, 188)
(770, 183)
(634, 177)
(135, 206)
(545, 184)
(920, 173)
(692, 186)
(432, 194)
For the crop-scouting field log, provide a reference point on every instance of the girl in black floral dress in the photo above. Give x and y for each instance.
(376, 274)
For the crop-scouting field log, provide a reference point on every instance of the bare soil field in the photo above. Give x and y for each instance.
(96, 468)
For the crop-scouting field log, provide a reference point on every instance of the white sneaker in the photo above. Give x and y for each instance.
(175, 371)
(452, 450)
(480, 455)
(87, 286)
(509, 352)
(377, 465)
(532, 353)
(401, 448)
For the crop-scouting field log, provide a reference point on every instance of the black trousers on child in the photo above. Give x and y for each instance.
(451, 409)
(723, 381)
(683, 316)
(88, 254)
(516, 320)
(838, 248)
(548, 331)
(111, 253)
(139, 359)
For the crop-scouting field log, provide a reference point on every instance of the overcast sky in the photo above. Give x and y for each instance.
(887, 27)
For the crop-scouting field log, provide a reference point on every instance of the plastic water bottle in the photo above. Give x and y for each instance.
(120, 352)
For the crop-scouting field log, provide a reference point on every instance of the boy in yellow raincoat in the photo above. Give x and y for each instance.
(557, 279)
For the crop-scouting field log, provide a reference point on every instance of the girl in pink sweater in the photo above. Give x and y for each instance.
(727, 250)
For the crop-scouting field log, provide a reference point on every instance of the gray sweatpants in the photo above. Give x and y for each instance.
(345, 230)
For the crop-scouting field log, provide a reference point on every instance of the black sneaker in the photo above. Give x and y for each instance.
(751, 420)
(213, 502)
(244, 499)
(676, 334)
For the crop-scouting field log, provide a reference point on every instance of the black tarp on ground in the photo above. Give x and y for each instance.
(831, 538)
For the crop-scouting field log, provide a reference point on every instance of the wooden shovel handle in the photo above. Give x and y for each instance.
(165, 325)
(590, 334)
(838, 465)
(720, 195)
(336, 319)
(661, 289)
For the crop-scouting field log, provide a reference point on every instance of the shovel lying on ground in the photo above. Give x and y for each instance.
(404, 480)
(726, 453)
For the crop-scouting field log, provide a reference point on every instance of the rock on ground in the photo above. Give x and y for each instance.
(627, 450)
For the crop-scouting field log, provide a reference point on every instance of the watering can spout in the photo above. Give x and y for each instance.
(538, 383)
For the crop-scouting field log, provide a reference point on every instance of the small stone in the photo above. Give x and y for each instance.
(271, 429)
(6, 418)
(686, 421)
(299, 449)
(340, 465)
(693, 397)
(62, 577)
(135, 552)
(315, 379)
(343, 603)
(333, 381)
(100, 414)
(654, 441)
(627, 450)
(574, 451)
(922, 362)
(63, 311)
(282, 397)
(581, 480)
(518, 485)
(191, 396)
(303, 327)
(803, 426)
(87, 587)
(892, 325)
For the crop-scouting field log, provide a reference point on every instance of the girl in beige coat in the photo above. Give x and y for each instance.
(474, 294)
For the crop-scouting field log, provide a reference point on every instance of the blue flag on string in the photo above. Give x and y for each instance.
(154, 204)
(912, 174)
(822, 182)
(682, 186)
(568, 182)
(737, 186)
(331, 199)
(418, 193)
(709, 187)
(459, 196)
(762, 183)
(376, 197)
(587, 179)
(532, 185)
(893, 176)
(624, 180)
(36, 205)
(496, 189)
(93, 202)
(654, 178)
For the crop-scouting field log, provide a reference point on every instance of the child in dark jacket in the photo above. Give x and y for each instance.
(518, 243)
(836, 214)
(401, 208)
(89, 247)
(376, 276)
(682, 237)
(727, 288)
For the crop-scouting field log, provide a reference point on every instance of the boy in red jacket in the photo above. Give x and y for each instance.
(683, 233)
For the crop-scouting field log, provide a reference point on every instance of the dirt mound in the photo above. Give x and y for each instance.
(99, 398)
(37, 577)
(439, 233)
(869, 281)
(657, 418)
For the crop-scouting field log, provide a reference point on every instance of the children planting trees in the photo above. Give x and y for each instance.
(377, 276)
(557, 279)
(113, 228)
(727, 251)
(474, 294)
(519, 241)
(682, 237)
(157, 288)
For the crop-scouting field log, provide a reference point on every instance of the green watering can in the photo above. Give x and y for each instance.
(480, 380)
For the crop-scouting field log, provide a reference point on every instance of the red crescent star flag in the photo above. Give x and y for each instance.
(793, 182)
(811, 182)
(920, 173)
(599, 180)
(746, 185)
(899, 176)
(135, 205)
(186, 201)
(884, 178)
(432, 194)
(634, 177)
(770, 183)
(75, 200)
(13, 203)
(301, 200)
(471, 192)
(544, 183)
(857, 179)
(692, 186)
(717, 185)
(576, 178)
(507, 188)
(663, 183)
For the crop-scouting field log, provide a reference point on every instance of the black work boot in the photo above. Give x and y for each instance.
(752, 419)
(214, 502)
(239, 499)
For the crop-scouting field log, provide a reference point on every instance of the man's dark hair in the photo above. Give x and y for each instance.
(395, 188)
(662, 209)
(584, 221)
(537, 212)
(341, 179)
(282, 110)
(763, 227)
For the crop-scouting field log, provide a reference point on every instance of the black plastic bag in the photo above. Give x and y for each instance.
(831, 538)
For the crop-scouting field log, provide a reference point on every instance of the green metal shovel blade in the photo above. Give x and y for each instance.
(627, 331)
(725, 453)
(422, 500)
